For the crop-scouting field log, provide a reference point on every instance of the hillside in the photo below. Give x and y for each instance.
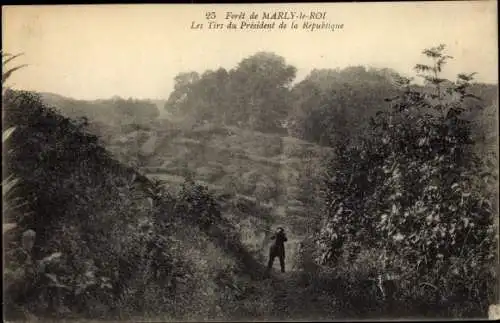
(115, 111)
(104, 237)
(259, 177)
(264, 176)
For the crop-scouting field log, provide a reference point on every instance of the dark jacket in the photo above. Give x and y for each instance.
(278, 247)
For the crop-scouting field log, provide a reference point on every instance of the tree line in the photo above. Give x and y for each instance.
(260, 93)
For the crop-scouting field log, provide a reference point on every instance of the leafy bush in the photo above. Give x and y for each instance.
(414, 190)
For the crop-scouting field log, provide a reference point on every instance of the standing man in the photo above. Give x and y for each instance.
(278, 249)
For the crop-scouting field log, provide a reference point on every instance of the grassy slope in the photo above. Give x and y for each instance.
(219, 285)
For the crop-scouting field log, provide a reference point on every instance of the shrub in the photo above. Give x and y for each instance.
(414, 190)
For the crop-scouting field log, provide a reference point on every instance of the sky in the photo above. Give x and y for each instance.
(99, 51)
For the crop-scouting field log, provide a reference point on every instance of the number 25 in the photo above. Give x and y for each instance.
(210, 15)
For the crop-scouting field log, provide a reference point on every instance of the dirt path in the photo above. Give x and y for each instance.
(294, 299)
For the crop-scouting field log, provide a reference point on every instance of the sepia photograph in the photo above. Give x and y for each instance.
(250, 162)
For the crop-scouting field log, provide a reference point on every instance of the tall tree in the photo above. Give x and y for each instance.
(254, 94)
(262, 83)
(177, 101)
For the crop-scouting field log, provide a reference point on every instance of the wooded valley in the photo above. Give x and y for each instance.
(386, 185)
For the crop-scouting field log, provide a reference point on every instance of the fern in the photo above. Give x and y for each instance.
(10, 183)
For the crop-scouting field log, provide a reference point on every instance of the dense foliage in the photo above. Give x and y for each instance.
(414, 191)
(254, 94)
(332, 105)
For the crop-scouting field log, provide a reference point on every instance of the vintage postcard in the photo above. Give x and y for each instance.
(250, 162)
